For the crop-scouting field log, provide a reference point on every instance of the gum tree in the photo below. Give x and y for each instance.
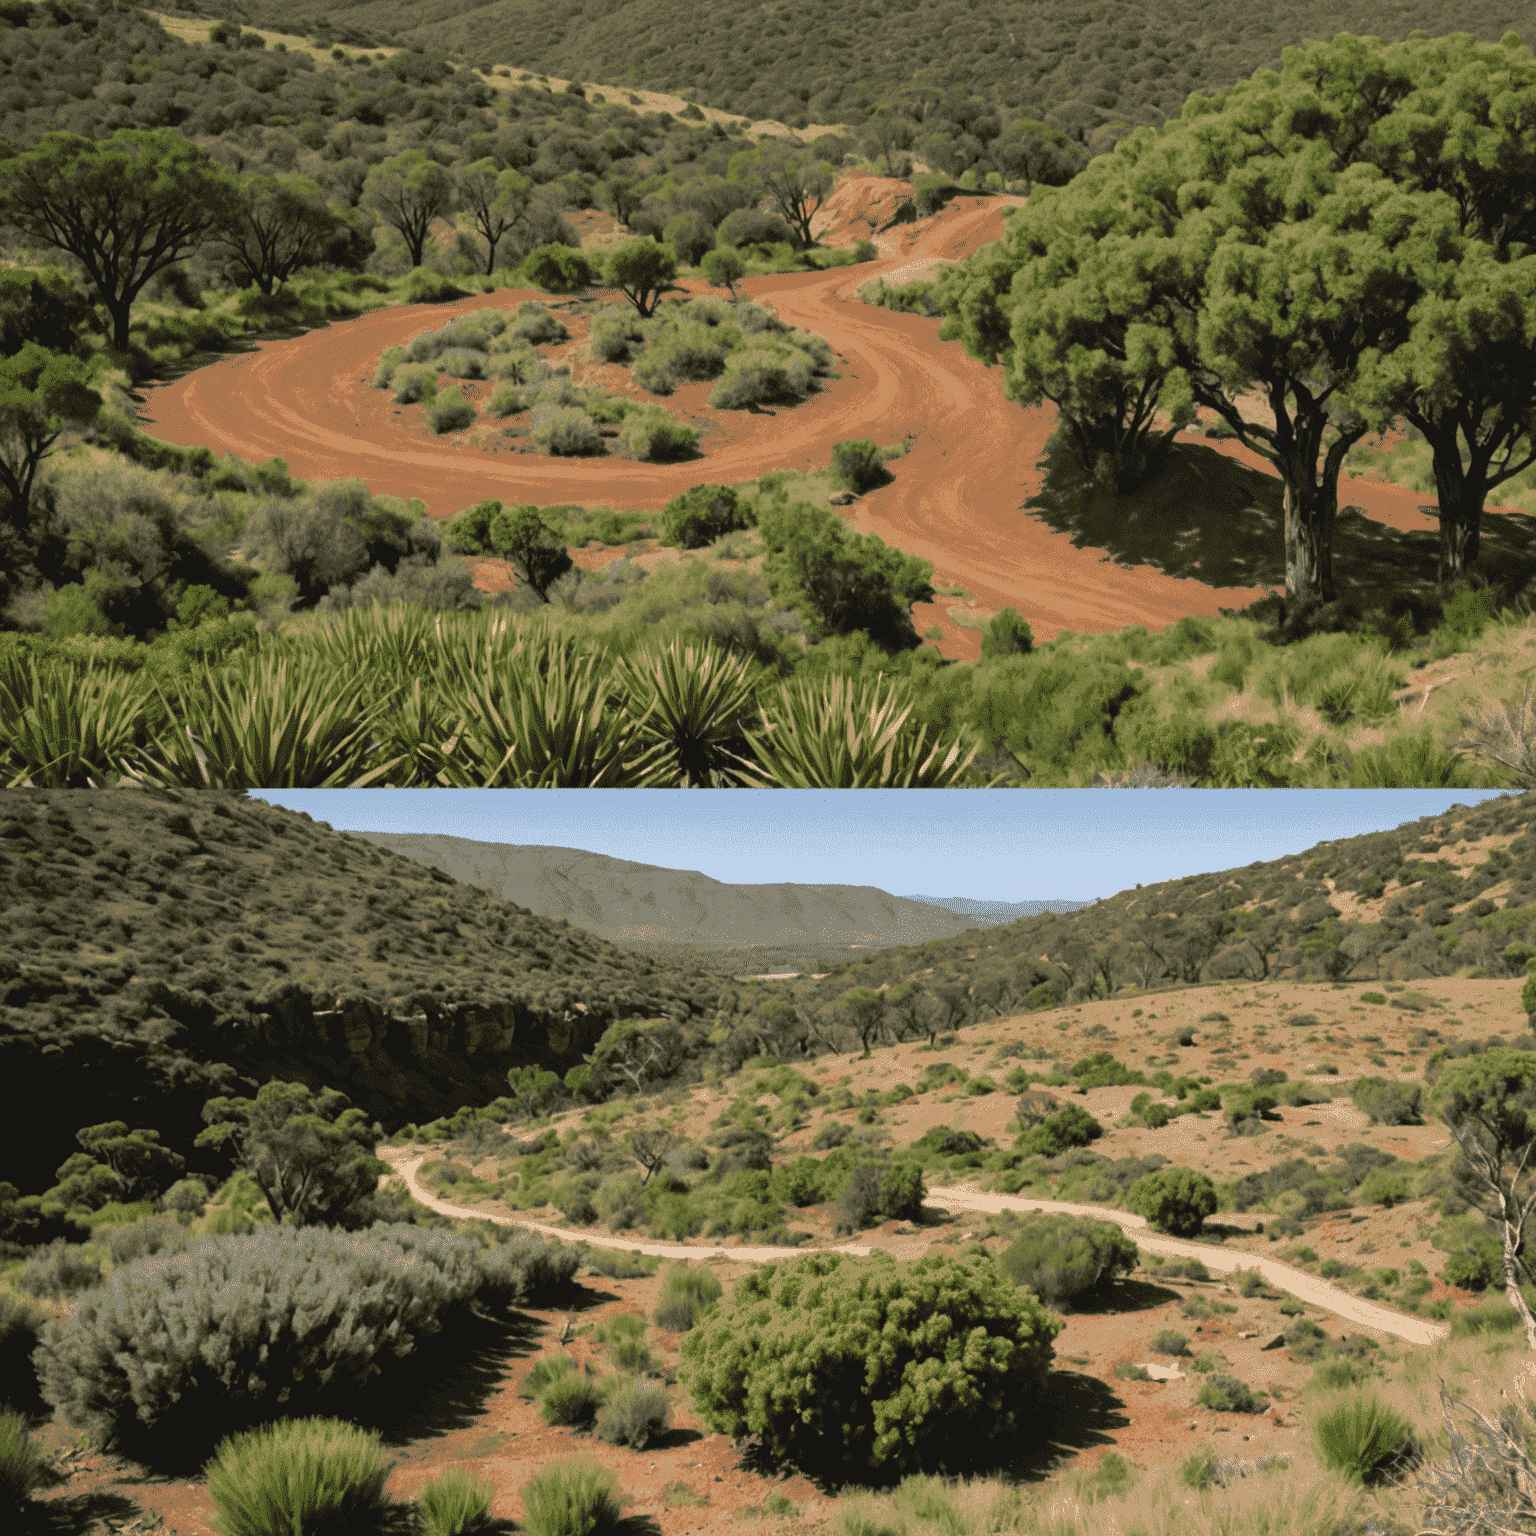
(42, 394)
(276, 226)
(125, 208)
(1489, 1103)
(410, 192)
(497, 202)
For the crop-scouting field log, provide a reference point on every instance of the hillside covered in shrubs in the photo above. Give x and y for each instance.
(158, 949)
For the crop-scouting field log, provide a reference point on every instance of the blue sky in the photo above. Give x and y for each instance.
(1005, 845)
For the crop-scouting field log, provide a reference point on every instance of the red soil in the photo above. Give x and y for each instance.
(957, 499)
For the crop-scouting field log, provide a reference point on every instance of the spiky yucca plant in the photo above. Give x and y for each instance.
(65, 725)
(689, 705)
(850, 733)
(1361, 1438)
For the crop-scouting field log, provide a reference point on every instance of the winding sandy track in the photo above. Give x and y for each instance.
(1308, 1288)
(957, 498)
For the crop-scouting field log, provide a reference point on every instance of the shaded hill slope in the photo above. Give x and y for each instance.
(156, 947)
(628, 902)
(821, 61)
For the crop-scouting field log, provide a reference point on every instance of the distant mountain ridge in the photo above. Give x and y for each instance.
(623, 901)
(988, 914)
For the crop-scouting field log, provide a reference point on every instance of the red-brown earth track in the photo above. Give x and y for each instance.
(958, 497)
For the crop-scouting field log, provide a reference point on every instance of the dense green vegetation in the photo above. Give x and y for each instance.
(960, 77)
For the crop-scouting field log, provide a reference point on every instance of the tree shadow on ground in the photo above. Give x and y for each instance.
(1075, 1412)
(673, 1439)
(1119, 1296)
(1207, 516)
(76, 1514)
(447, 1383)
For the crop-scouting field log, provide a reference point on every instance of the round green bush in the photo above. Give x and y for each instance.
(450, 412)
(1471, 1270)
(857, 465)
(298, 1475)
(571, 1498)
(1156, 1116)
(565, 430)
(635, 1413)
(1226, 1394)
(456, 1503)
(701, 515)
(1059, 1256)
(871, 1369)
(686, 1295)
(1174, 1200)
(571, 1399)
(657, 438)
(1170, 1343)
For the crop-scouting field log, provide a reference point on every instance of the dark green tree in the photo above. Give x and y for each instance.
(497, 201)
(46, 308)
(276, 226)
(1489, 1103)
(535, 550)
(796, 184)
(125, 208)
(1175, 1200)
(886, 135)
(642, 270)
(136, 1157)
(311, 1154)
(534, 1088)
(410, 192)
(42, 394)
(862, 1010)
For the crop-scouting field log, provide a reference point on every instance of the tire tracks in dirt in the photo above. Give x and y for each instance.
(957, 498)
(1305, 1287)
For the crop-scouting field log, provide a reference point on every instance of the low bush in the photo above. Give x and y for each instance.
(846, 1367)
(417, 382)
(686, 1295)
(654, 437)
(298, 1475)
(1226, 1394)
(1363, 1439)
(565, 430)
(450, 412)
(1471, 1269)
(857, 465)
(1248, 1282)
(1175, 1200)
(701, 515)
(570, 1398)
(1125, 1371)
(544, 1371)
(535, 324)
(456, 1503)
(1170, 1343)
(23, 1467)
(60, 1270)
(635, 1413)
(1061, 1256)
(303, 1316)
(1386, 1101)
(571, 1498)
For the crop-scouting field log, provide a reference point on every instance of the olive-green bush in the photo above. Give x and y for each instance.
(1061, 1256)
(870, 1369)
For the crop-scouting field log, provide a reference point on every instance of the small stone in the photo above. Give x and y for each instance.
(1194, 1426)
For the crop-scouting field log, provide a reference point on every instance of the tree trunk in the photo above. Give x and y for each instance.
(1460, 492)
(1513, 1291)
(120, 312)
(1309, 513)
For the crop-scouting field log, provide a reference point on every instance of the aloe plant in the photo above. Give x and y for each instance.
(689, 705)
(850, 733)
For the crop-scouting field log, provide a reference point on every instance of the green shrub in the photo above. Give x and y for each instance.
(456, 1503)
(633, 1358)
(1408, 760)
(1155, 1116)
(450, 412)
(60, 1270)
(22, 1464)
(461, 363)
(1490, 1316)
(857, 465)
(417, 382)
(384, 374)
(1362, 1439)
(1372, 997)
(701, 515)
(1007, 634)
(622, 1327)
(844, 1367)
(558, 269)
(1061, 1256)
(535, 324)
(307, 1316)
(1125, 1371)
(298, 1475)
(635, 1413)
(544, 1371)
(1207, 1363)
(570, 1398)
(654, 437)
(1197, 1469)
(1387, 1101)
(1386, 1187)
(1334, 1375)
(686, 1294)
(1471, 1270)
(1226, 1394)
(1175, 1200)
(1248, 1282)
(571, 1498)
(565, 430)
(1170, 1343)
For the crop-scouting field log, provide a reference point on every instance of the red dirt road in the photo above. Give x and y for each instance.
(957, 499)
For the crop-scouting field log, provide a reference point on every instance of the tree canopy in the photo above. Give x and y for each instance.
(410, 192)
(1294, 258)
(125, 208)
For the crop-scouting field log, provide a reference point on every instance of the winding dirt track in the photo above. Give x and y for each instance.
(957, 498)
(1308, 1288)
